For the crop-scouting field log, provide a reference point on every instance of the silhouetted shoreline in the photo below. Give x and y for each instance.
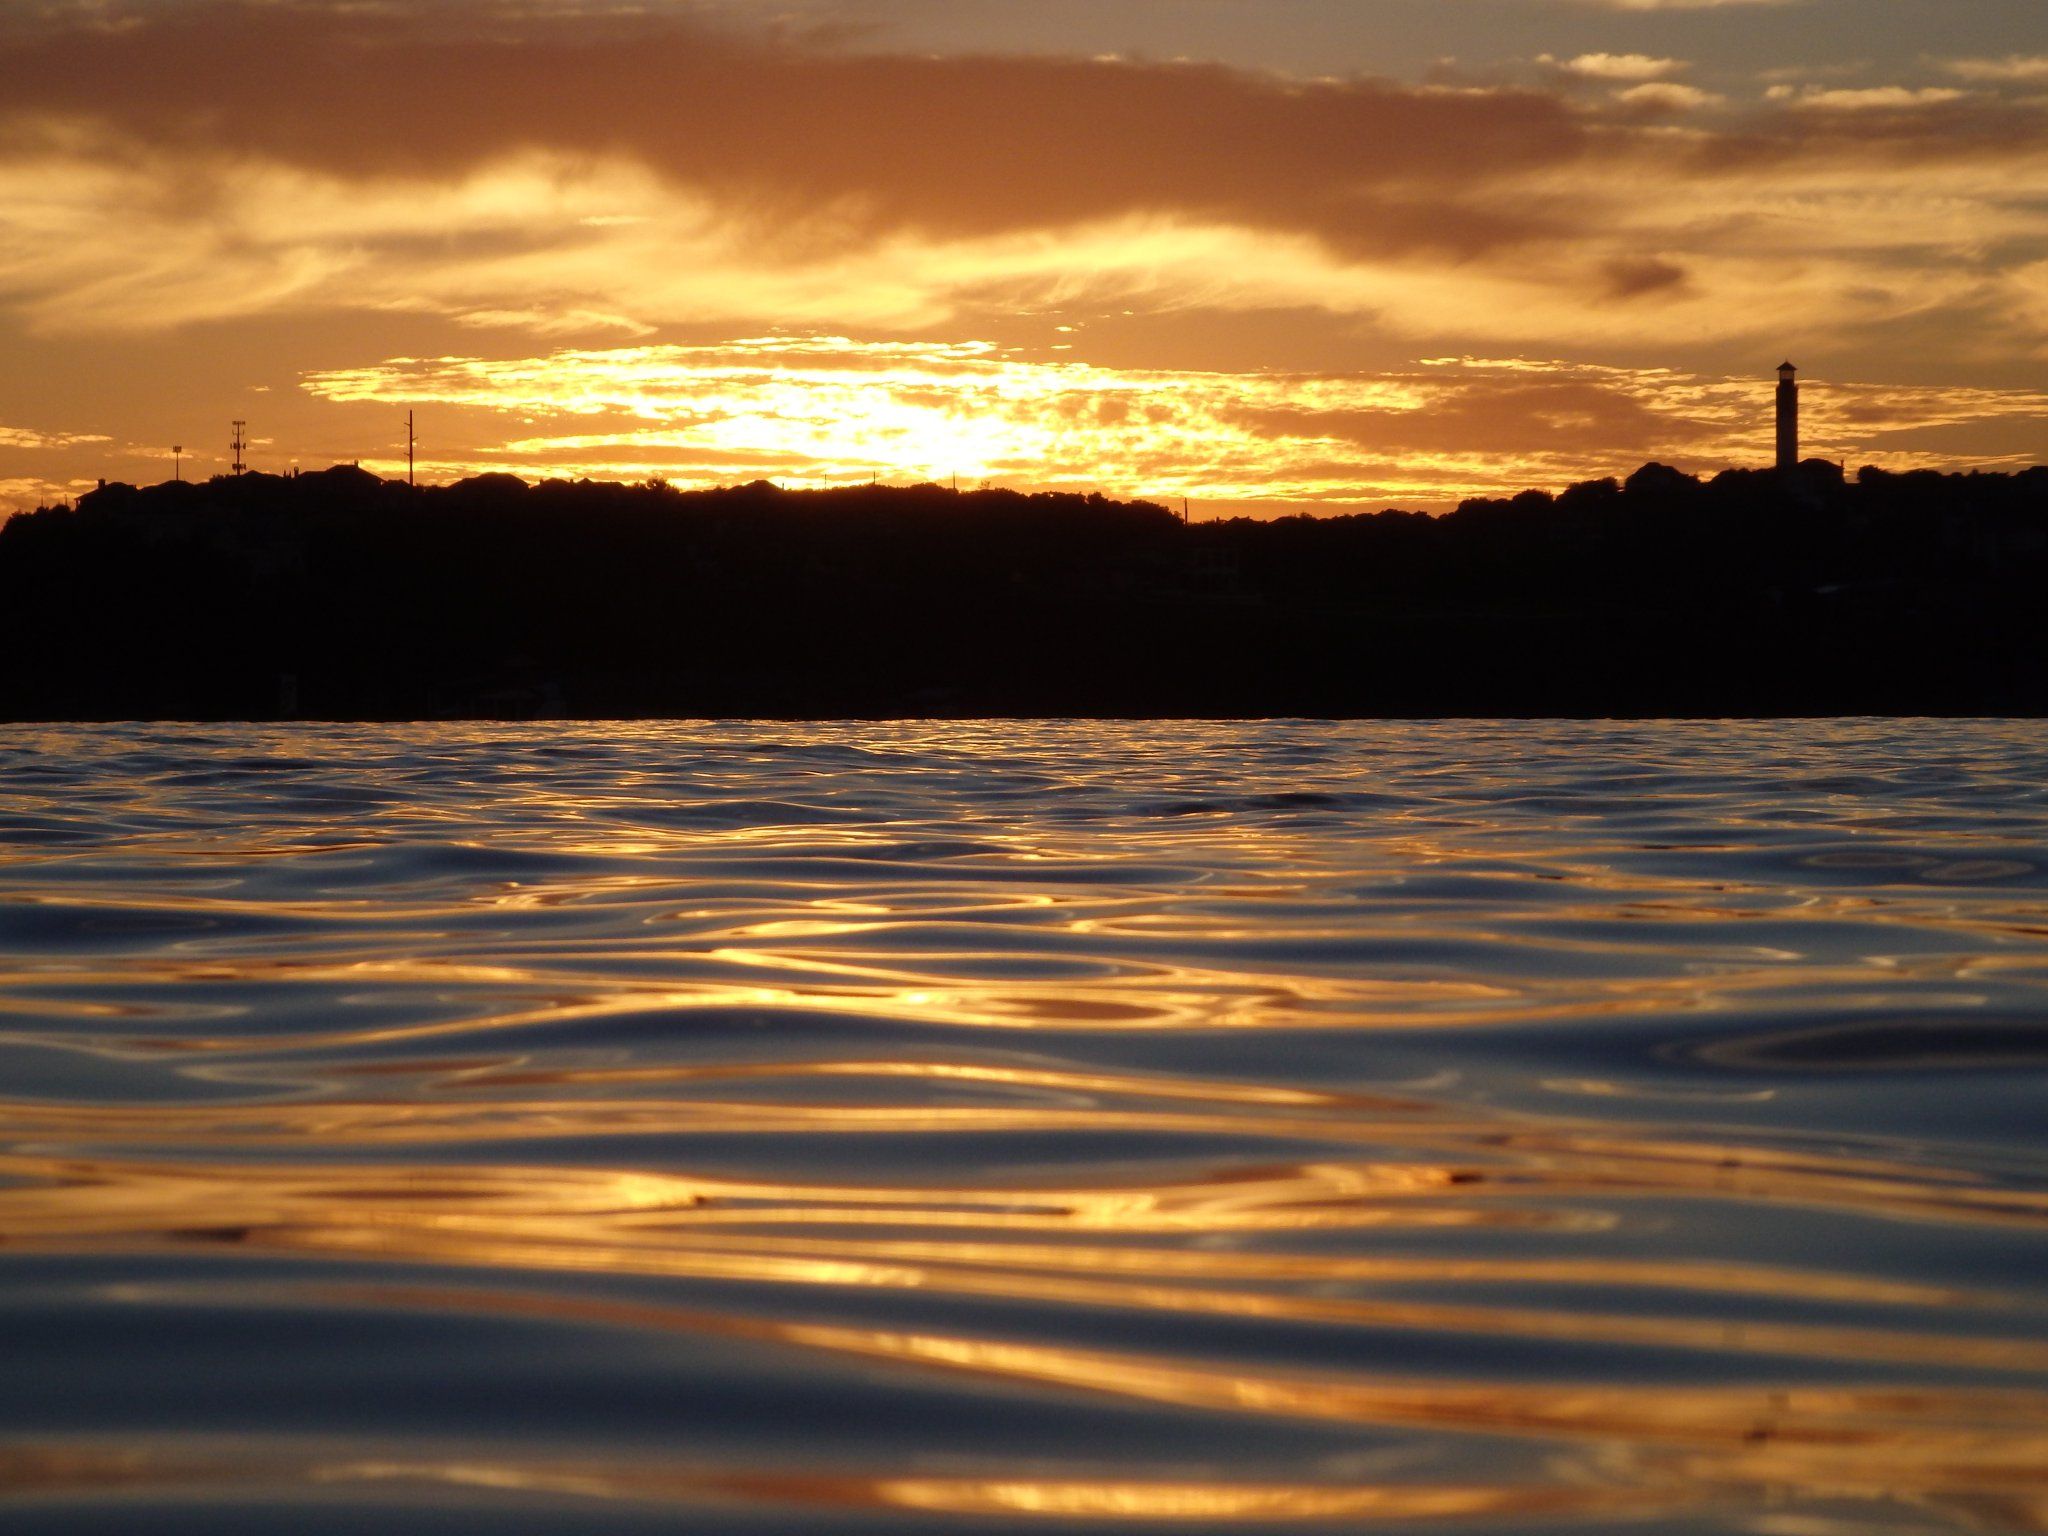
(342, 596)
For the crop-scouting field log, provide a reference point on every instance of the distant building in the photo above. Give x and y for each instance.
(1788, 417)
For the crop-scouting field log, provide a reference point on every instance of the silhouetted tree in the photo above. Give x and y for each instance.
(1753, 592)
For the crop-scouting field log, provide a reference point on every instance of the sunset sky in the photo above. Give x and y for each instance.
(1269, 254)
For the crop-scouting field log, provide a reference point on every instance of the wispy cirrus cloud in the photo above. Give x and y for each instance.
(821, 410)
(637, 171)
(28, 437)
(1669, 96)
(1876, 98)
(597, 174)
(2013, 68)
(1623, 67)
(528, 245)
(824, 147)
(30, 468)
(836, 147)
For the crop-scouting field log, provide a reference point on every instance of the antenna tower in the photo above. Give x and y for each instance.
(240, 443)
(411, 442)
(178, 460)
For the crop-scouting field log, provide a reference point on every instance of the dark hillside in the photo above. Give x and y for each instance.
(338, 594)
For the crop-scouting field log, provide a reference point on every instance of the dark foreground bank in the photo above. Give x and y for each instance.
(341, 595)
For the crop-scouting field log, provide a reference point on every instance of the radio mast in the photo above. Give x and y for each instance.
(239, 443)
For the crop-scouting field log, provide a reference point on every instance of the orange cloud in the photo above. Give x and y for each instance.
(838, 146)
(27, 437)
(634, 175)
(820, 410)
(1864, 99)
(2014, 68)
(618, 173)
(1624, 67)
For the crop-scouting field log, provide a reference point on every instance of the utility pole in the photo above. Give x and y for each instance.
(178, 462)
(239, 443)
(411, 442)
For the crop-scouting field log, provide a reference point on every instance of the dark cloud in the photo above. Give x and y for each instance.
(1973, 128)
(1633, 277)
(793, 132)
(809, 154)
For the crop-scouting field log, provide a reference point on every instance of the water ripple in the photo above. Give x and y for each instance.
(1055, 1126)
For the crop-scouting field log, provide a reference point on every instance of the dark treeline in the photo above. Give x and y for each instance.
(341, 595)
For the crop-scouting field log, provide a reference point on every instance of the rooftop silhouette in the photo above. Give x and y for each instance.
(340, 594)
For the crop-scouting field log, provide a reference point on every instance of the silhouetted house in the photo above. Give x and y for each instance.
(341, 488)
(145, 519)
(1815, 482)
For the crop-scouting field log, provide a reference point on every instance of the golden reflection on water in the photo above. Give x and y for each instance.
(937, 991)
(45, 1469)
(695, 1227)
(998, 1071)
(1651, 1445)
(1486, 1158)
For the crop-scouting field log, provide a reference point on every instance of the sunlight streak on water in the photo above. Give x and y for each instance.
(1070, 1126)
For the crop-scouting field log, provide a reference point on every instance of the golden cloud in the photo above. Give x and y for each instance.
(822, 409)
(1625, 67)
(28, 437)
(632, 175)
(2013, 68)
(621, 173)
(840, 146)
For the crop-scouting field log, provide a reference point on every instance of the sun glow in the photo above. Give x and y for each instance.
(822, 410)
(1185, 278)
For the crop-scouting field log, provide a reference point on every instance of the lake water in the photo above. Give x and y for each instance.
(1007, 1127)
